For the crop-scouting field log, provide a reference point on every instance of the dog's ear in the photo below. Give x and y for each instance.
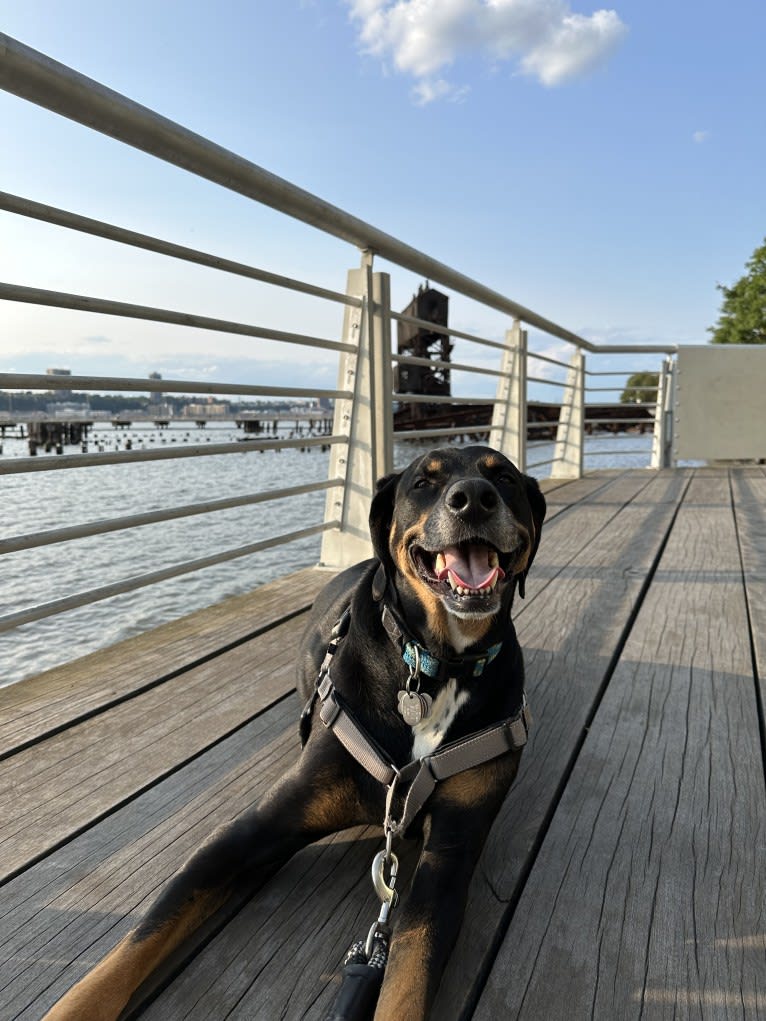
(381, 515)
(537, 506)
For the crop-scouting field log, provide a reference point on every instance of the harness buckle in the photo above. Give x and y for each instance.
(329, 711)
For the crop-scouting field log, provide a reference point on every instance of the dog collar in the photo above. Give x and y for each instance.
(420, 660)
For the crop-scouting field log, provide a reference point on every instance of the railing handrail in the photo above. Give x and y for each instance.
(32, 75)
(111, 232)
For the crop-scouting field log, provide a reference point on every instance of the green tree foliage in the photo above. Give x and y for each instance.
(646, 392)
(743, 309)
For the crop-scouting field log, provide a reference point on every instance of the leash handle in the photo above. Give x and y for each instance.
(361, 980)
(358, 994)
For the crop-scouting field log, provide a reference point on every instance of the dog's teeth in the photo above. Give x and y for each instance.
(439, 563)
(494, 560)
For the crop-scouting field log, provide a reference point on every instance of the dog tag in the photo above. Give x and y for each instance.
(414, 706)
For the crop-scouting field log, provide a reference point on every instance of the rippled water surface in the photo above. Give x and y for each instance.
(47, 500)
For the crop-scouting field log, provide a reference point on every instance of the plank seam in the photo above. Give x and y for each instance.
(750, 632)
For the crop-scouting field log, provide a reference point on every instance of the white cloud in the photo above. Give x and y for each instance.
(422, 37)
(701, 136)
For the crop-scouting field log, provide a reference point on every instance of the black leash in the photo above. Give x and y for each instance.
(365, 962)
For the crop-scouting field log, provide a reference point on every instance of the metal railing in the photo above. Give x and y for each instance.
(553, 430)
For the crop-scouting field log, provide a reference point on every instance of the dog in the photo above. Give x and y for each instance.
(415, 719)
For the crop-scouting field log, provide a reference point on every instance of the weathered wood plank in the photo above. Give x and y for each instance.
(646, 899)
(749, 489)
(569, 637)
(39, 705)
(569, 528)
(61, 915)
(560, 493)
(53, 789)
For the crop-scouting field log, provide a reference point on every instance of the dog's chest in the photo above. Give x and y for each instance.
(429, 733)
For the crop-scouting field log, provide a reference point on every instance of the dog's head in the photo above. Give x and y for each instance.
(457, 530)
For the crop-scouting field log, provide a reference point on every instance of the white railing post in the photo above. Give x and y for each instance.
(568, 463)
(508, 432)
(662, 438)
(366, 419)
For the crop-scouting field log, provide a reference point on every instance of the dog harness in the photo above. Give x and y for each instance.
(422, 774)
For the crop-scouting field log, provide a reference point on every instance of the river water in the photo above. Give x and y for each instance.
(46, 500)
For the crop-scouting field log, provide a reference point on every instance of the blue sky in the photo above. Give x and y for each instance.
(604, 167)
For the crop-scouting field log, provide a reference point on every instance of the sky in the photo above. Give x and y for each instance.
(603, 167)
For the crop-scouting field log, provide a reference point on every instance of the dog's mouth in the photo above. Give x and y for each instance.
(469, 571)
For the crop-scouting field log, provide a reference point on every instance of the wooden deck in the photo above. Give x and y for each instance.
(623, 878)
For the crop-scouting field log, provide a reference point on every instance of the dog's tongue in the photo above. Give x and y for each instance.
(469, 566)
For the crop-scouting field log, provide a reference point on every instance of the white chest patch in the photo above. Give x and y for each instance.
(429, 733)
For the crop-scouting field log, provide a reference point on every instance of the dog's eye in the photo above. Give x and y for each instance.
(505, 477)
(421, 483)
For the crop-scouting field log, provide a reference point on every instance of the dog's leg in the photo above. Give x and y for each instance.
(454, 831)
(314, 799)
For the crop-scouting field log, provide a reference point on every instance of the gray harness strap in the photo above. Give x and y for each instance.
(422, 774)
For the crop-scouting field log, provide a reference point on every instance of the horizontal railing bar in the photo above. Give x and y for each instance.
(437, 363)
(440, 399)
(42, 381)
(548, 359)
(98, 228)
(85, 303)
(425, 324)
(24, 465)
(611, 389)
(428, 434)
(550, 382)
(27, 73)
(541, 464)
(610, 453)
(95, 595)
(618, 421)
(610, 372)
(34, 540)
(638, 349)
(649, 405)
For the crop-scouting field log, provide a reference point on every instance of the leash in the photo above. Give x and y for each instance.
(364, 964)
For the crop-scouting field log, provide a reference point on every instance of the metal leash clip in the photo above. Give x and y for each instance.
(385, 890)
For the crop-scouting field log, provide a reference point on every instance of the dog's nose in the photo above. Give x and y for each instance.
(472, 499)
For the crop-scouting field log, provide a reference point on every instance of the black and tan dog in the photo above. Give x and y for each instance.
(428, 625)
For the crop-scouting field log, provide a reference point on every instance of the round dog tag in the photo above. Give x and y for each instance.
(414, 706)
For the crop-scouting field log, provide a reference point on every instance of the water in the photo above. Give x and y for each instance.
(46, 500)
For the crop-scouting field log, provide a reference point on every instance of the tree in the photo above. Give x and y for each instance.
(646, 392)
(743, 309)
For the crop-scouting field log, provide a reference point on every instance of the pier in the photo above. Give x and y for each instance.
(623, 878)
(623, 874)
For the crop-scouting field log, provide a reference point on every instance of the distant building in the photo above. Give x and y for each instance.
(156, 397)
(157, 404)
(66, 393)
(208, 409)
